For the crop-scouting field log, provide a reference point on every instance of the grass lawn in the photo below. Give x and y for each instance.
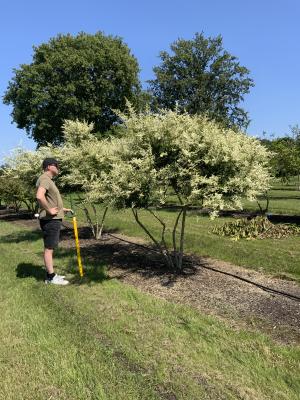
(284, 199)
(281, 202)
(106, 340)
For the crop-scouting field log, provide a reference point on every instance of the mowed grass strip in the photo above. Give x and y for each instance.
(47, 350)
(281, 201)
(105, 340)
(284, 198)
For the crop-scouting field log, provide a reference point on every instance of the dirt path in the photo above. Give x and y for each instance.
(207, 284)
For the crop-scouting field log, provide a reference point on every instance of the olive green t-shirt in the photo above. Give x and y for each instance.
(52, 195)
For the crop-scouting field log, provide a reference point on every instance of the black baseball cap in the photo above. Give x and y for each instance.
(49, 161)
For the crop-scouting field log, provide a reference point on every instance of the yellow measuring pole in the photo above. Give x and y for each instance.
(77, 247)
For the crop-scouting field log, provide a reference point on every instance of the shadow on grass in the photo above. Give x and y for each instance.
(28, 270)
(99, 255)
(84, 232)
(294, 197)
(11, 215)
(23, 236)
(291, 188)
(284, 219)
(94, 269)
(249, 214)
(111, 251)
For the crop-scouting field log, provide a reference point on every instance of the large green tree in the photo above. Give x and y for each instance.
(85, 77)
(199, 76)
(286, 155)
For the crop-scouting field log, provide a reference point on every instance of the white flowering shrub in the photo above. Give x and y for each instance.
(200, 162)
(22, 168)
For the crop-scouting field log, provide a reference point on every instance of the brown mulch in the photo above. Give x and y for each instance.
(206, 284)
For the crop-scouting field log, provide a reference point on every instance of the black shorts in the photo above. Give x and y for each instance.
(51, 230)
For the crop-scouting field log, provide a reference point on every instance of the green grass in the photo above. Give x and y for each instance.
(281, 202)
(284, 199)
(104, 340)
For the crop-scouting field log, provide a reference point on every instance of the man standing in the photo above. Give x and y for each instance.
(51, 216)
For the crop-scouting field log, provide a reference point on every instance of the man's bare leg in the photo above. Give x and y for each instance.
(51, 276)
(48, 260)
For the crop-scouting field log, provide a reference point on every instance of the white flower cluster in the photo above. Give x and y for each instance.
(195, 158)
(155, 154)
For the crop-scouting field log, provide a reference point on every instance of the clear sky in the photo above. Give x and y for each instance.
(263, 34)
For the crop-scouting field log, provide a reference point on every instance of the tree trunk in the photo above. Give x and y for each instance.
(99, 234)
(162, 249)
(174, 237)
(89, 220)
(180, 255)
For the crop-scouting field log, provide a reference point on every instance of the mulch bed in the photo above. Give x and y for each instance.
(205, 284)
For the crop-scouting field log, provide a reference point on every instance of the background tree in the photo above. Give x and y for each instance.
(2, 167)
(295, 132)
(84, 77)
(286, 155)
(284, 161)
(201, 77)
(18, 181)
(14, 193)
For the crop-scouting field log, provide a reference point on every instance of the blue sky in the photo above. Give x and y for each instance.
(264, 35)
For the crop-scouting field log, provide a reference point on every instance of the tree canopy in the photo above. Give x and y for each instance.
(84, 77)
(199, 76)
(198, 160)
(286, 154)
(187, 156)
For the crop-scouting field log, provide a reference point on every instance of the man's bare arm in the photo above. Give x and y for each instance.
(40, 196)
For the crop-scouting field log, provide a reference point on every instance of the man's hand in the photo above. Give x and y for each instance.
(53, 211)
(66, 210)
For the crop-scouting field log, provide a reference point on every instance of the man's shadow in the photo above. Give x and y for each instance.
(92, 272)
(28, 270)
